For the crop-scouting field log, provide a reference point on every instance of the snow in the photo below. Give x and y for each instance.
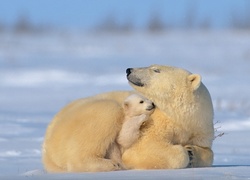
(229, 172)
(41, 74)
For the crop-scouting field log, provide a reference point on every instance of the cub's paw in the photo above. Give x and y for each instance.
(141, 119)
(190, 151)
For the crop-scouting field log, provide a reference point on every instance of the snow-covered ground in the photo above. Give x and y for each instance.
(39, 74)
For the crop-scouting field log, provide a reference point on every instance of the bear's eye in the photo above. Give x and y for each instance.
(157, 70)
(141, 102)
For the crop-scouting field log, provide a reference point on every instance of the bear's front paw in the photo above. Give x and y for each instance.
(190, 151)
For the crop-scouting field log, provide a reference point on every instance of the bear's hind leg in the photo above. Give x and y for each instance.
(50, 166)
(102, 122)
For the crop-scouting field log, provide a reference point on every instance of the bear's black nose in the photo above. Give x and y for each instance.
(128, 71)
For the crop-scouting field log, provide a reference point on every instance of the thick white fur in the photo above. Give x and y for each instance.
(137, 110)
(178, 134)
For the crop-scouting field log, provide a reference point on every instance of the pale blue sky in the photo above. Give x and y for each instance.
(87, 13)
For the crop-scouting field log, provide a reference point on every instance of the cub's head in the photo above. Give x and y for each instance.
(135, 105)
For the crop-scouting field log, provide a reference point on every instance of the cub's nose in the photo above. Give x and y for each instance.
(128, 71)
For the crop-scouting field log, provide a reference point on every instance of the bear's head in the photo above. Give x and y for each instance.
(135, 105)
(175, 91)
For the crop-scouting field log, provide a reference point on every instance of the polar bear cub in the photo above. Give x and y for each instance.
(137, 110)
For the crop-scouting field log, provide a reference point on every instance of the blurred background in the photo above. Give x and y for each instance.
(52, 52)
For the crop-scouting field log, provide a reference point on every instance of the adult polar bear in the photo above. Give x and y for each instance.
(179, 133)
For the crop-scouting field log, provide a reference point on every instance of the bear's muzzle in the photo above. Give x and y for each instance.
(132, 78)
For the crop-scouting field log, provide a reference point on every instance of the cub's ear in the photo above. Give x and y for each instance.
(195, 81)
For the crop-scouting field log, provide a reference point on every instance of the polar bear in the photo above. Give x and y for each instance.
(137, 110)
(178, 134)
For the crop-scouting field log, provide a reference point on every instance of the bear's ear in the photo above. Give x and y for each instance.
(195, 80)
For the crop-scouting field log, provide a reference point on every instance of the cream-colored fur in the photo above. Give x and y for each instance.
(178, 134)
(137, 110)
(79, 136)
